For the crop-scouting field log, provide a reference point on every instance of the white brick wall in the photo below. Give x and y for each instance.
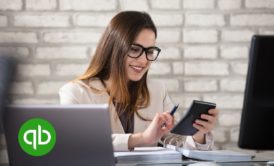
(200, 36)
(95, 20)
(259, 4)
(61, 52)
(252, 20)
(45, 20)
(85, 5)
(200, 52)
(72, 37)
(198, 4)
(167, 5)
(201, 86)
(3, 21)
(204, 44)
(229, 4)
(18, 37)
(11, 4)
(41, 4)
(204, 20)
(206, 68)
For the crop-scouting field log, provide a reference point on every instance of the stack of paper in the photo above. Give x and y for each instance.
(213, 155)
(149, 155)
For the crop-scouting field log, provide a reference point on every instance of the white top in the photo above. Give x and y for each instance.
(80, 93)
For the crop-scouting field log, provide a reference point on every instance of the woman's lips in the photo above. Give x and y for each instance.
(137, 68)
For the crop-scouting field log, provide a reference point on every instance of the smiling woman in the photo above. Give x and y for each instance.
(117, 75)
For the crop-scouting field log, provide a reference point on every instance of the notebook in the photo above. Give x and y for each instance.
(148, 155)
(82, 135)
(213, 155)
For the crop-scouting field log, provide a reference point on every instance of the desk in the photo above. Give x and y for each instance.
(252, 163)
(259, 160)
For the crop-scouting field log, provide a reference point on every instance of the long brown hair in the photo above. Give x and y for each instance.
(108, 63)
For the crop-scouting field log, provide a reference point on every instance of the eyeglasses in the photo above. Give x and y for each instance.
(136, 50)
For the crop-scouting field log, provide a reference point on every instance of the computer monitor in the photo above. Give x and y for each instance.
(257, 121)
(7, 70)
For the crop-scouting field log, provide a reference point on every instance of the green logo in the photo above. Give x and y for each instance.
(37, 137)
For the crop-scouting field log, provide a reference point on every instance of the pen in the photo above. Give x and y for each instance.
(171, 113)
(174, 110)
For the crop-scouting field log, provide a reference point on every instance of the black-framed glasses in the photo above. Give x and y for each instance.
(136, 50)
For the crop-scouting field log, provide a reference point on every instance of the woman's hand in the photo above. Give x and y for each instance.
(160, 125)
(206, 125)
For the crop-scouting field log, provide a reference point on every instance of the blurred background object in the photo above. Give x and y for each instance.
(7, 71)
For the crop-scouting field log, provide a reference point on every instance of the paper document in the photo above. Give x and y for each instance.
(213, 155)
(149, 155)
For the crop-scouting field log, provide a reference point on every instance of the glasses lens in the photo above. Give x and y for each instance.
(135, 51)
(152, 53)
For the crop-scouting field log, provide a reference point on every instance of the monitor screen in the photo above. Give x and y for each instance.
(257, 121)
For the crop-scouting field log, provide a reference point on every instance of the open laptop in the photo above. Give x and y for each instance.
(82, 135)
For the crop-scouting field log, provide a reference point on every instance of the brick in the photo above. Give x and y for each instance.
(267, 32)
(18, 37)
(234, 52)
(200, 85)
(18, 52)
(252, 20)
(70, 69)
(169, 53)
(171, 35)
(30, 70)
(11, 5)
(36, 100)
(184, 100)
(232, 85)
(44, 20)
(95, 20)
(85, 5)
(62, 52)
(200, 36)
(239, 68)
(41, 4)
(198, 4)
(226, 101)
(204, 20)
(163, 4)
(219, 135)
(3, 21)
(229, 4)
(259, 4)
(237, 35)
(140, 5)
(72, 37)
(48, 88)
(206, 68)
(22, 88)
(234, 134)
(229, 118)
(4, 156)
(167, 19)
(200, 52)
(171, 85)
(178, 67)
(159, 68)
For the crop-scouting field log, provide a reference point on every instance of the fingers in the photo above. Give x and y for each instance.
(208, 122)
(213, 112)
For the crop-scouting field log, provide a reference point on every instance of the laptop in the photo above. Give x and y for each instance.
(60, 135)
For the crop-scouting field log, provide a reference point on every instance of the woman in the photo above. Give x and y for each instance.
(117, 75)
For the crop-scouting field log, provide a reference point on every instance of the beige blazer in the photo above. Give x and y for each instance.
(80, 93)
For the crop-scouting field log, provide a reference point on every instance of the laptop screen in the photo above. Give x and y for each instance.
(58, 135)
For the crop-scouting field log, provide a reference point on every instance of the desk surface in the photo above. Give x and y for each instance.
(259, 160)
